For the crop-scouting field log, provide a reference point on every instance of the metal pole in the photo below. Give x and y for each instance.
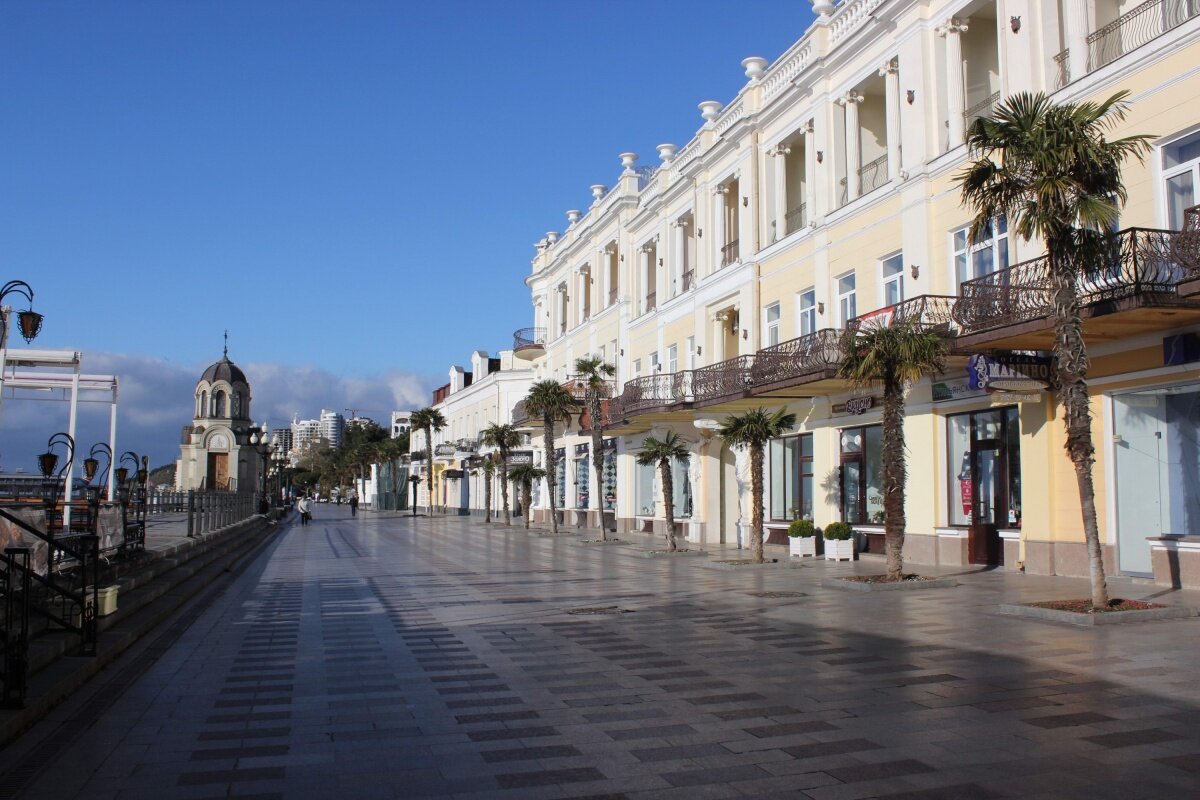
(112, 440)
(68, 489)
(6, 311)
(191, 513)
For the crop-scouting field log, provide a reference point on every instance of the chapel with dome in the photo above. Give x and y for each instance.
(215, 451)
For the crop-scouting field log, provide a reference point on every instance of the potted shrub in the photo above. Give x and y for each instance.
(839, 542)
(802, 538)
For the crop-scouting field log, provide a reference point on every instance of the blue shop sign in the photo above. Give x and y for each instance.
(1008, 371)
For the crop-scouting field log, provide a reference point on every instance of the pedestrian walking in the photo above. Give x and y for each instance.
(354, 505)
(304, 506)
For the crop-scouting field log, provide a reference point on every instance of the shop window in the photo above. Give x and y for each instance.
(582, 482)
(646, 501)
(984, 468)
(893, 279)
(649, 498)
(772, 324)
(1181, 172)
(791, 460)
(983, 256)
(807, 312)
(609, 481)
(862, 475)
(560, 477)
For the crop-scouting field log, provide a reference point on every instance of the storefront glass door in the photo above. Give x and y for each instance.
(1157, 470)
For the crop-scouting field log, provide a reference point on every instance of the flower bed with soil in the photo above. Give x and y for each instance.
(882, 583)
(1081, 612)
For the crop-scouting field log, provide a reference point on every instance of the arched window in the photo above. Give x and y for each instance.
(218, 404)
(203, 404)
(237, 405)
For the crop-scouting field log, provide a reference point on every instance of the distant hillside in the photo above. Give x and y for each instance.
(163, 476)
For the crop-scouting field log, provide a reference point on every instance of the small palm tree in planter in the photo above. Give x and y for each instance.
(662, 452)
(525, 476)
(839, 542)
(802, 538)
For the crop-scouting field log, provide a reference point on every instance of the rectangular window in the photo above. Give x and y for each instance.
(654, 363)
(609, 479)
(983, 256)
(771, 318)
(984, 467)
(791, 463)
(681, 493)
(807, 312)
(1181, 171)
(893, 280)
(647, 503)
(560, 477)
(673, 358)
(862, 475)
(637, 367)
(691, 352)
(847, 304)
(583, 480)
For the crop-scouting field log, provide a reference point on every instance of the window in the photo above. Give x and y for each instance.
(1181, 171)
(673, 358)
(984, 467)
(772, 322)
(647, 503)
(808, 312)
(862, 475)
(649, 496)
(985, 255)
(893, 279)
(583, 475)
(560, 477)
(654, 362)
(609, 477)
(218, 404)
(691, 352)
(637, 367)
(847, 305)
(791, 460)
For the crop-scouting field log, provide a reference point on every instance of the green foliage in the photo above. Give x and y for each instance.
(502, 436)
(526, 474)
(838, 531)
(756, 427)
(655, 451)
(363, 432)
(549, 400)
(891, 354)
(802, 528)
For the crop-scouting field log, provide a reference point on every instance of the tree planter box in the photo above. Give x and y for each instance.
(1103, 618)
(839, 549)
(901, 586)
(803, 546)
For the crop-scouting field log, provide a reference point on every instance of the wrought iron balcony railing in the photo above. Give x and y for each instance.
(981, 109)
(928, 311)
(1139, 262)
(730, 253)
(578, 386)
(1133, 29)
(651, 302)
(869, 177)
(651, 392)
(687, 280)
(1185, 245)
(803, 357)
(723, 379)
(443, 450)
(529, 337)
(796, 218)
(612, 295)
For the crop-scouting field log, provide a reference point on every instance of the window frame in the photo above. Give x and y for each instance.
(1167, 173)
(803, 312)
(897, 278)
(970, 249)
(772, 327)
(861, 457)
(796, 483)
(842, 297)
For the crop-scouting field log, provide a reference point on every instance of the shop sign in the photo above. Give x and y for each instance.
(1011, 372)
(855, 405)
(452, 474)
(954, 390)
(520, 458)
(581, 450)
(1010, 398)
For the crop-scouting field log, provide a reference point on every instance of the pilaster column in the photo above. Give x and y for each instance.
(1075, 21)
(853, 151)
(891, 82)
(955, 97)
(644, 276)
(780, 152)
(719, 225)
(677, 261)
(810, 171)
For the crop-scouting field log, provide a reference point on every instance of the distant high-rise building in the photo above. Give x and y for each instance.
(305, 433)
(332, 426)
(282, 439)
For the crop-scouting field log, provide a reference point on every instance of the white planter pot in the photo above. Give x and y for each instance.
(803, 546)
(839, 549)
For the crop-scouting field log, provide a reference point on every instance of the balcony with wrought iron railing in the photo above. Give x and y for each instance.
(1135, 28)
(651, 302)
(870, 176)
(612, 295)
(730, 253)
(444, 450)
(652, 393)
(577, 385)
(983, 108)
(1185, 249)
(529, 342)
(1138, 272)
(812, 357)
(796, 218)
(687, 280)
(722, 381)
(927, 311)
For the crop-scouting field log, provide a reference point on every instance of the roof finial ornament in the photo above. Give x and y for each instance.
(226, 354)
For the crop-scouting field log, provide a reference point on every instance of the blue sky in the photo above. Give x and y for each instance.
(350, 187)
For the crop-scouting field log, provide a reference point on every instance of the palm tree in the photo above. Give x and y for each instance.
(525, 476)
(594, 372)
(754, 429)
(504, 438)
(489, 471)
(550, 401)
(662, 452)
(429, 419)
(892, 355)
(1054, 173)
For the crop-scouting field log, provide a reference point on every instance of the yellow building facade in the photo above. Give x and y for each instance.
(824, 194)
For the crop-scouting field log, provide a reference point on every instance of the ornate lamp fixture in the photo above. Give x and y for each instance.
(29, 321)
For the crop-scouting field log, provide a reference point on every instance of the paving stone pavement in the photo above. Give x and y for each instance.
(392, 657)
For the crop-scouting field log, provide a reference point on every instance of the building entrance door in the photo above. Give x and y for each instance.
(218, 471)
(989, 480)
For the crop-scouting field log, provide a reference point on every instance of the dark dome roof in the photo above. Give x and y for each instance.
(224, 370)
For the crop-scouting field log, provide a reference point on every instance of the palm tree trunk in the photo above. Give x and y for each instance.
(526, 499)
(668, 490)
(551, 472)
(1071, 365)
(429, 464)
(504, 485)
(894, 476)
(756, 510)
(594, 410)
(487, 498)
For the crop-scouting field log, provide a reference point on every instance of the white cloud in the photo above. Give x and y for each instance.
(156, 401)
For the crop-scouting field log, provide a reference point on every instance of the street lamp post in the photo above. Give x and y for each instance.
(91, 466)
(262, 448)
(29, 321)
(138, 488)
(52, 481)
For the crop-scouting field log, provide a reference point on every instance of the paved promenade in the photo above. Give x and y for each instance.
(386, 657)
